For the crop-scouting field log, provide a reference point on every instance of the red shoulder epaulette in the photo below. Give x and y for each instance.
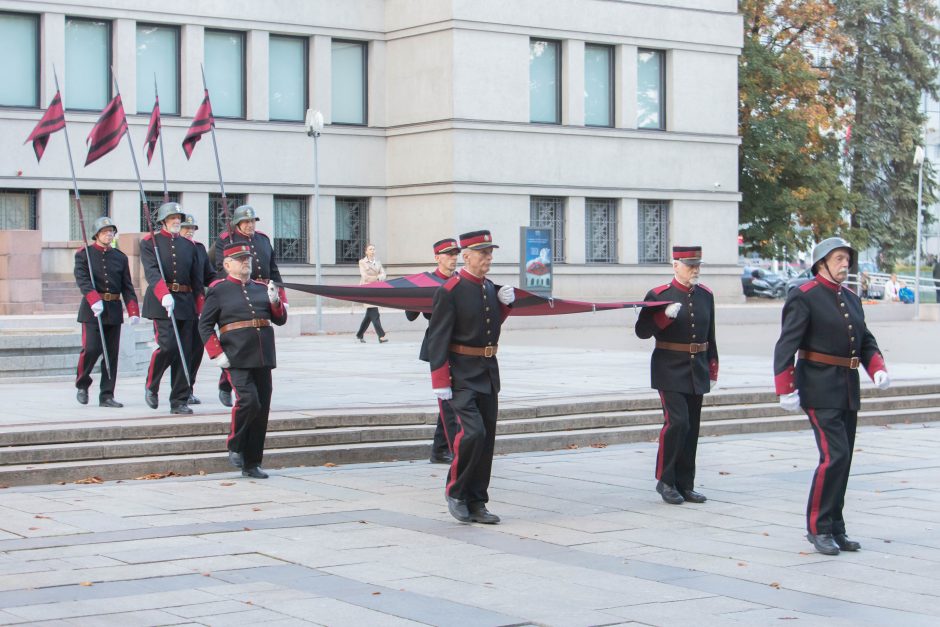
(225, 235)
(661, 288)
(809, 285)
(216, 282)
(451, 282)
(259, 282)
(146, 237)
(704, 287)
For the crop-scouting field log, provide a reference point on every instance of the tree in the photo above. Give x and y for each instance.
(892, 62)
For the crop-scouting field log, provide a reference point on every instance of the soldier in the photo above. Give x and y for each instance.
(684, 367)
(263, 265)
(463, 338)
(244, 310)
(188, 230)
(174, 287)
(824, 324)
(112, 280)
(445, 254)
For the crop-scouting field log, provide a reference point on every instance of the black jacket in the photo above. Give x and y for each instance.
(180, 266)
(263, 266)
(112, 275)
(824, 317)
(228, 301)
(202, 260)
(674, 371)
(440, 279)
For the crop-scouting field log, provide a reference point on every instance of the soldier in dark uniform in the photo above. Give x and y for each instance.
(445, 254)
(684, 367)
(188, 230)
(244, 310)
(112, 280)
(823, 323)
(177, 289)
(463, 338)
(263, 265)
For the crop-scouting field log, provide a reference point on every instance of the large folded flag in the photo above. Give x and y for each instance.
(153, 129)
(52, 120)
(107, 132)
(202, 124)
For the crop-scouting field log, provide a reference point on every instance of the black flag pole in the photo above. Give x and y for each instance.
(166, 193)
(218, 164)
(81, 222)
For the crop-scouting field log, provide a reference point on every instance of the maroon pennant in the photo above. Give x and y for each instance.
(202, 124)
(153, 129)
(107, 132)
(52, 120)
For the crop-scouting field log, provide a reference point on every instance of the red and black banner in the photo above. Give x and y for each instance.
(107, 132)
(202, 124)
(153, 129)
(52, 120)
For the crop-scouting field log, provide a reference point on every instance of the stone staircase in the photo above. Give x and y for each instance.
(60, 296)
(131, 448)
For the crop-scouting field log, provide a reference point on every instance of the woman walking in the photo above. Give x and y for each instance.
(370, 271)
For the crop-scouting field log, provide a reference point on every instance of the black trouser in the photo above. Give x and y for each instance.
(167, 355)
(835, 438)
(678, 440)
(91, 352)
(474, 441)
(372, 315)
(445, 431)
(250, 413)
(195, 357)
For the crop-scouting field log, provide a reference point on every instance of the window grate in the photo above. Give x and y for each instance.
(94, 206)
(548, 212)
(217, 215)
(352, 222)
(290, 229)
(654, 231)
(18, 210)
(154, 200)
(601, 230)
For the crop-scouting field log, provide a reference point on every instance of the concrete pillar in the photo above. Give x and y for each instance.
(125, 211)
(197, 204)
(51, 54)
(375, 83)
(327, 230)
(53, 208)
(625, 87)
(572, 82)
(264, 206)
(320, 75)
(575, 230)
(378, 225)
(192, 55)
(258, 68)
(124, 59)
(627, 232)
(20, 272)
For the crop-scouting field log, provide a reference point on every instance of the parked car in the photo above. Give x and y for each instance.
(761, 282)
(875, 290)
(803, 277)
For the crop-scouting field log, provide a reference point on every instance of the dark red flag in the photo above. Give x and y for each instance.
(107, 132)
(202, 123)
(52, 120)
(153, 129)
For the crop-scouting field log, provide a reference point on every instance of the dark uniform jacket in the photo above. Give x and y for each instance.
(181, 268)
(112, 276)
(466, 311)
(824, 317)
(440, 279)
(202, 260)
(675, 371)
(263, 266)
(229, 300)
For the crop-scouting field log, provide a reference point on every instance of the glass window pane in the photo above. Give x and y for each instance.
(544, 81)
(649, 95)
(287, 78)
(290, 229)
(598, 74)
(158, 56)
(87, 64)
(225, 72)
(349, 82)
(94, 206)
(19, 39)
(17, 209)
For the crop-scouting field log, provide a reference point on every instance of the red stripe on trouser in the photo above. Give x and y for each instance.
(819, 477)
(440, 416)
(231, 429)
(81, 358)
(662, 437)
(153, 357)
(453, 465)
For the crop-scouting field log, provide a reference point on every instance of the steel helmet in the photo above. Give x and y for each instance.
(104, 222)
(168, 209)
(189, 220)
(823, 248)
(245, 212)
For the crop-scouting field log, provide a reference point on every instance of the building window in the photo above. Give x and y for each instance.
(651, 89)
(154, 200)
(350, 80)
(548, 212)
(290, 229)
(87, 64)
(287, 78)
(225, 72)
(352, 228)
(17, 210)
(19, 46)
(545, 81)
(598, 85)
(654, 231)
(158, 57)
(94, 206)
(600, 217)
(217, 223)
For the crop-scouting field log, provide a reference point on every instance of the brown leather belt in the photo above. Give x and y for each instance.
(682, 348)
(829, 360)
(256, 323)
(474, 351)
(178, 287)
(108, 296)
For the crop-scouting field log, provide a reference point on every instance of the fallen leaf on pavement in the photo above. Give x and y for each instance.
(599, 445)
(723, 472)
(157, 475)
(256, 509)
(375, 594)
(89, 480)
(774, 584)
(330, 465)
(86, 583)
(572, 446)
(40, 516)
(227, 483)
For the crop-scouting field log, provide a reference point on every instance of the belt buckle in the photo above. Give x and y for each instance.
(489, 351)
(174, 287)
(853, 362)
(693, 348)
(256, 323)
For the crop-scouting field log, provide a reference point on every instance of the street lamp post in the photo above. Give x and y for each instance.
(919, 162)
(314, 125)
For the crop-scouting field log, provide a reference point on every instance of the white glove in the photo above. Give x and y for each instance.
(168, 303)
(445, 394)
(790, 402)
(882, 380)
(673, 310)
(713, 385)
(133, 320)
(97, 308)
(506, 294)
(222, 361)
(272, 293)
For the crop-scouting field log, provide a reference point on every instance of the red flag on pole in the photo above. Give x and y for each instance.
(52, 120)
(107, 132)
(202, 123)
(153, 129)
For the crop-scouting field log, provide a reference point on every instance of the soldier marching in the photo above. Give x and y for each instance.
(188, 230)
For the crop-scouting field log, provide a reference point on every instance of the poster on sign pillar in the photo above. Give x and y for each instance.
(535, 263)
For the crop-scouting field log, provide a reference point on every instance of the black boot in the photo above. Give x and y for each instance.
(458, 509)
(824, 543)
(225, 397)
(669, 493)
(844, 543)
(81, 395)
